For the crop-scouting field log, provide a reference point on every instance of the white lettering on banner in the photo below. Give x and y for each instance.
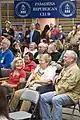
(23, 12)
(37, 9)
(44, 3)
(45, 8)
(45, 14)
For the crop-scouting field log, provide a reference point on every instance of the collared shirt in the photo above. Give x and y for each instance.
(31, 35)
(69, 81)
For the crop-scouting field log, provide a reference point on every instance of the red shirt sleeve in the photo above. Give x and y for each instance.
(15, 79)
(22, 74)
(33, 66)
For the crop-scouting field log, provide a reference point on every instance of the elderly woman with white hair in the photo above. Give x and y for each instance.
(17, 75)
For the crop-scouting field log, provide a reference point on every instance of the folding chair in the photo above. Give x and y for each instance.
(72, 111)
(29, 95)
(4, 75)
(5, 72)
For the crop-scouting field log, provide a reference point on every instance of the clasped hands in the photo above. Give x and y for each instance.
(30, 83)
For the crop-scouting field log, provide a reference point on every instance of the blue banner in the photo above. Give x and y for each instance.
(45, 8)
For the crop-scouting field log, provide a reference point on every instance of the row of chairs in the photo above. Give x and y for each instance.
(34, 97)
(30, 96)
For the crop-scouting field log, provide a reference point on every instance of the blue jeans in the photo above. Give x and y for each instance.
(57, 101)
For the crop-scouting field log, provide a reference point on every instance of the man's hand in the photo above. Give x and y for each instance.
(61, 90)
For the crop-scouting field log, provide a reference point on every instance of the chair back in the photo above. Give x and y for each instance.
(30, 95)
(5, 72)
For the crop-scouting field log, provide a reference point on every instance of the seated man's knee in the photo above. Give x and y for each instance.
(55, 100)
(42, 98)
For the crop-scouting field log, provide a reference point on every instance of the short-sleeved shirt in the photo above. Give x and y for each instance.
(47, 73)
(15, 79)
(6, 58)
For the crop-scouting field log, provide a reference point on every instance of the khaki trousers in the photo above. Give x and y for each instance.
(15, 100)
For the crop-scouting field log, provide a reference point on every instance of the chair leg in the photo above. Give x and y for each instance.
(73, 112)
(79, 107)
(38, 112)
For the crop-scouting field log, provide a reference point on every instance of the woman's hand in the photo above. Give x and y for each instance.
(31, 83)
(27, 84)
(4, 83)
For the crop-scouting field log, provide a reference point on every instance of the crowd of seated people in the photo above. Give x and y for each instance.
(37, 78)
(67, 89)
(33, 64)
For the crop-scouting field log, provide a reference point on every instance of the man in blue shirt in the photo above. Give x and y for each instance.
(6, 55)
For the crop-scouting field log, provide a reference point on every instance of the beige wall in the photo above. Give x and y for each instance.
(44, 21)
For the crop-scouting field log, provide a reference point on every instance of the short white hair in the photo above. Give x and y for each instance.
(72, 54)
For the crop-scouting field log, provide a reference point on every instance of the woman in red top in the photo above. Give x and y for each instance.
(30, 65)
(17, 75)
